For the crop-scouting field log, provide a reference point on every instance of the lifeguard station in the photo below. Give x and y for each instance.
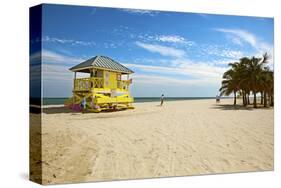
(107, 87)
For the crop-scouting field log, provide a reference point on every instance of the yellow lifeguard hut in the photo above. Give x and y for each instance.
(107, 87)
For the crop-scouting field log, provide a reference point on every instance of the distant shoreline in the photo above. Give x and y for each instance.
(143, 103)
(60, 101)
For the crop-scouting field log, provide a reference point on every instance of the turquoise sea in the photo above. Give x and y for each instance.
(52, 101)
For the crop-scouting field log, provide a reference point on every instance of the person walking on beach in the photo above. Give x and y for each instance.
(162, 99)
(217, 98)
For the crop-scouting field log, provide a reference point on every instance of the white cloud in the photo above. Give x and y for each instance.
(206, 16)
(179, 72)
(236, 40)
(59, 73)
(56, 73)
(57, 80)
(221, 51)
(53, 57)
(198, 71)
(68, 41)
(265, 47)
(171, 38)
(245, 36)
(163, 50)
(223, 62)
(140, 12)
(232, 54)
(93, 11)
(166, 80)
(174, 39)
(226, 53)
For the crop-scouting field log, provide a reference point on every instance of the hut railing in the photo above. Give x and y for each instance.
(85, 84)
(123, 84)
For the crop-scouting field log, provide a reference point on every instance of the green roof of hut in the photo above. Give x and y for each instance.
(101, 62)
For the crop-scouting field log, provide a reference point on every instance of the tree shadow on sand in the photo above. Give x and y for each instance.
(58, 110)
(231, 107)
(237, 107)
(63, 109)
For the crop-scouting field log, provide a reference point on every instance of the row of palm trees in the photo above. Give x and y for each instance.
(250, 76)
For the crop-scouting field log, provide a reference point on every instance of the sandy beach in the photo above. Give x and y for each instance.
(181, 138)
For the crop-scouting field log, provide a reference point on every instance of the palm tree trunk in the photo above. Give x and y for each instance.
(262, 94)
(271, 100)
(265, 99)
(243, 95)
(255, 99)
(234, 98)
(245, 98)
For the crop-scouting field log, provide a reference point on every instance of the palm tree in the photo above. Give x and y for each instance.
(264, 86)
(241, 68)
(230, 84)
(271, 88)
(249, 75)
(255, 70)
(254, 73)
(267, 84)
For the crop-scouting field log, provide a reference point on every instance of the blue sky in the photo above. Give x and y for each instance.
(178, 54)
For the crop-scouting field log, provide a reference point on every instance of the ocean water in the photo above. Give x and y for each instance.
(52, 101)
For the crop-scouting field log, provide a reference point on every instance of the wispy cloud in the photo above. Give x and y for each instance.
(141, 12)
(53, 57)
(171, 38)
(163, 50)
(68, 41)
(223, 52)
(56, 73)
(240, 36)
(231, 53)
(198, 70)
(57, 80)
(234, 39)
(157, 77)
(166, 80)
(174, 39)
(206, 16)
(244, 35)
(93, 11)
(177, 71)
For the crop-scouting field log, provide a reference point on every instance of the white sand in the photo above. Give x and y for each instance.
(181, 138)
